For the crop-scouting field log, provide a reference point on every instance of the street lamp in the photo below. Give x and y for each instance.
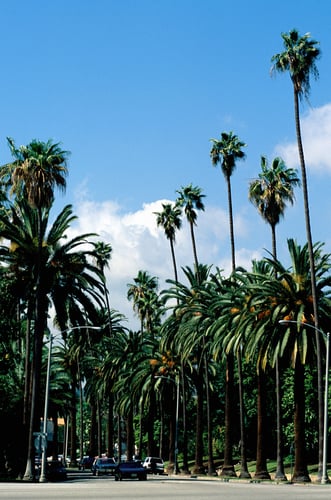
(176, 382)
(325, 478)
(43, 478)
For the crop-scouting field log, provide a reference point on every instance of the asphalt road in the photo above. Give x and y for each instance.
(160, 488)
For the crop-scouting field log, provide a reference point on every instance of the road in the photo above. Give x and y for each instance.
(165, 488)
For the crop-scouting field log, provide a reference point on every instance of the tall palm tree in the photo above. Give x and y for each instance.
(299, 60)
(270, 193)
(227, 151)
(36, 171)
(170, 220)
(103, 253)
(190, 198)
(66, 271)
(290, 297)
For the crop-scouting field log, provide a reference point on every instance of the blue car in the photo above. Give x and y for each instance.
(103, 465)
(130, 470)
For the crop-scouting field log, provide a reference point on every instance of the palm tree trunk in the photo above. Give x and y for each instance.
(151, 417)
(300, 473)
(129, 435)
(313, 286)
(211, 465)
(110, 425)
(261, 459)
(93, 446)
(198, 465)
(40, 322)
(185, 467)
(233, 252)
(195, 254)
(73, 421)
(244, 469)
(244, 474)
(228, 468)
(280, 473)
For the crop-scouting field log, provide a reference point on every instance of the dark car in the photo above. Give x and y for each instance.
(55, 471)
(85, 463)
(130, 470)
(103, 465)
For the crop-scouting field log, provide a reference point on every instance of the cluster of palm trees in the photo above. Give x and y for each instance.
(208, 335)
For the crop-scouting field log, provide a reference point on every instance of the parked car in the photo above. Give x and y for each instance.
(85, 463)
(154, 465)
(130, 470)
(103, 465)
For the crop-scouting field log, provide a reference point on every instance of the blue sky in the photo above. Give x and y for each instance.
(135, 90)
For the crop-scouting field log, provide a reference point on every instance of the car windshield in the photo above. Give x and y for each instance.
(127, 465)
(105, 461)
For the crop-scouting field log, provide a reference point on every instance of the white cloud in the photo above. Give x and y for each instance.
(316, 136)
(138, 244)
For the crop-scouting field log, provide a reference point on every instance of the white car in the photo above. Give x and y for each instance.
(154, 465)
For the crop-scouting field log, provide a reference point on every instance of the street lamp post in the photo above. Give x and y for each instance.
(43, 477)
(176, 382)
(325, 478)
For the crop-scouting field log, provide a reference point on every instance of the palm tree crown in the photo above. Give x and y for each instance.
(37, 168)
(226, 151)
(272, 190)
(299, 59)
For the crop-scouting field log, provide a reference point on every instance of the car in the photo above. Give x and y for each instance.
(85, 463)
(103, 465)
(56, 471)
(132, 469)
(154, 465)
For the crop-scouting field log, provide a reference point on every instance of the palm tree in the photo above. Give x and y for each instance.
(143, 294)
(66, 270)
(289, 297)
(184, 333)
(103, 253)
(190, 198)
(270, 193)
(170, 220)
(36, 170)
(299, 59)
(227, 151)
